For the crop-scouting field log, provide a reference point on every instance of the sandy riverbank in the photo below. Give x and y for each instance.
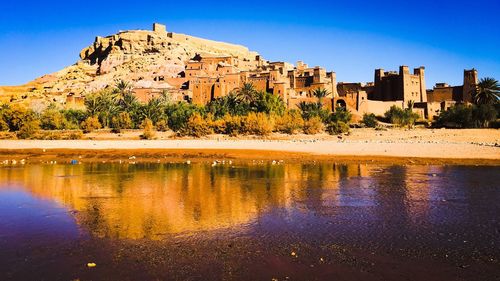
(413, 146)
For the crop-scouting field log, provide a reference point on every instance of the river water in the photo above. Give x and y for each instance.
(249, 221)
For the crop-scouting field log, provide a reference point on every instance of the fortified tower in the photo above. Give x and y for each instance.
(470, 82)
(159, 28)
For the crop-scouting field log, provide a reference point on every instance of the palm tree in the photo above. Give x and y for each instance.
(92, 104)
(122, 88)
(247, 93)
(410, 104)
(310, 109)
(153, 110)
(165, 97)
(320, 93)
(129, 102)
(487, 91)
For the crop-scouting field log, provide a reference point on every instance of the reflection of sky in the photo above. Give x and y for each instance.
(25, 217)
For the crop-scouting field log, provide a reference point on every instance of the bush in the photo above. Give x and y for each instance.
(336, 128)
(312, 109)
(290, 123)
(258, 124)
(313, 126)
(218, 126)
(121, 121)
(75, 135)
(16, 115)
(178, 114)
(401, 117)
(341, 114)
(73, 117)
(369, 120)
(462, 116)
(233, 125)
(162, 125)
(4, 126)
(90, 124)
(483, 115)
(53, 119)
(29, 129)
(196, 127)
(148, 128)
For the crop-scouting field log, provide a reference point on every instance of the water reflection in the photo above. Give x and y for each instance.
(152, 200)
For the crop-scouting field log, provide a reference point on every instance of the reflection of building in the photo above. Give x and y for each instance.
(125, 201)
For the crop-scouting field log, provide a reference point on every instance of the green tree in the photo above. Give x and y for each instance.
(268, 103)
(336, 128)
(487, 91)
(178, 114)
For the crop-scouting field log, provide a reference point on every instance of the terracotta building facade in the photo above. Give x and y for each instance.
(209, 76)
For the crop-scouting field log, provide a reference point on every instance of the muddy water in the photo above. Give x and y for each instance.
(249, 221)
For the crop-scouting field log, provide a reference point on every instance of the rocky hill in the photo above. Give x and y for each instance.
(137, 56)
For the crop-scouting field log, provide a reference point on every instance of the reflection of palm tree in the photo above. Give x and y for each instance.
(320, 93)
(487, 91)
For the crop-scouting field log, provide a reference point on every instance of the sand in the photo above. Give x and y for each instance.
(472, 146)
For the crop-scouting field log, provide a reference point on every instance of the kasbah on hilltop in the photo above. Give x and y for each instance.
(200, 70)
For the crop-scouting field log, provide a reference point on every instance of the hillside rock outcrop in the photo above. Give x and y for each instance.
(138, 56)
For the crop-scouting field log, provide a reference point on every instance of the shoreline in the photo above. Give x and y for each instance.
(199, 150)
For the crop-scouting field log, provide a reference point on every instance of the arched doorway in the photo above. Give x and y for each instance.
(340, 103)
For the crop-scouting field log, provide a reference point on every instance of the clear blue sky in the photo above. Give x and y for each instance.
(350, 37)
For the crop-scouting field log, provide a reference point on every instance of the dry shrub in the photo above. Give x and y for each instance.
(75, 135)
(219, 126)
(336, 128)
(28, 129)
(149, 131)
(162, 125)
(90, 124)
(313, 126)
(233, 125)
(290, 123)
(4, 126)
(258, 124)
(196, 126)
